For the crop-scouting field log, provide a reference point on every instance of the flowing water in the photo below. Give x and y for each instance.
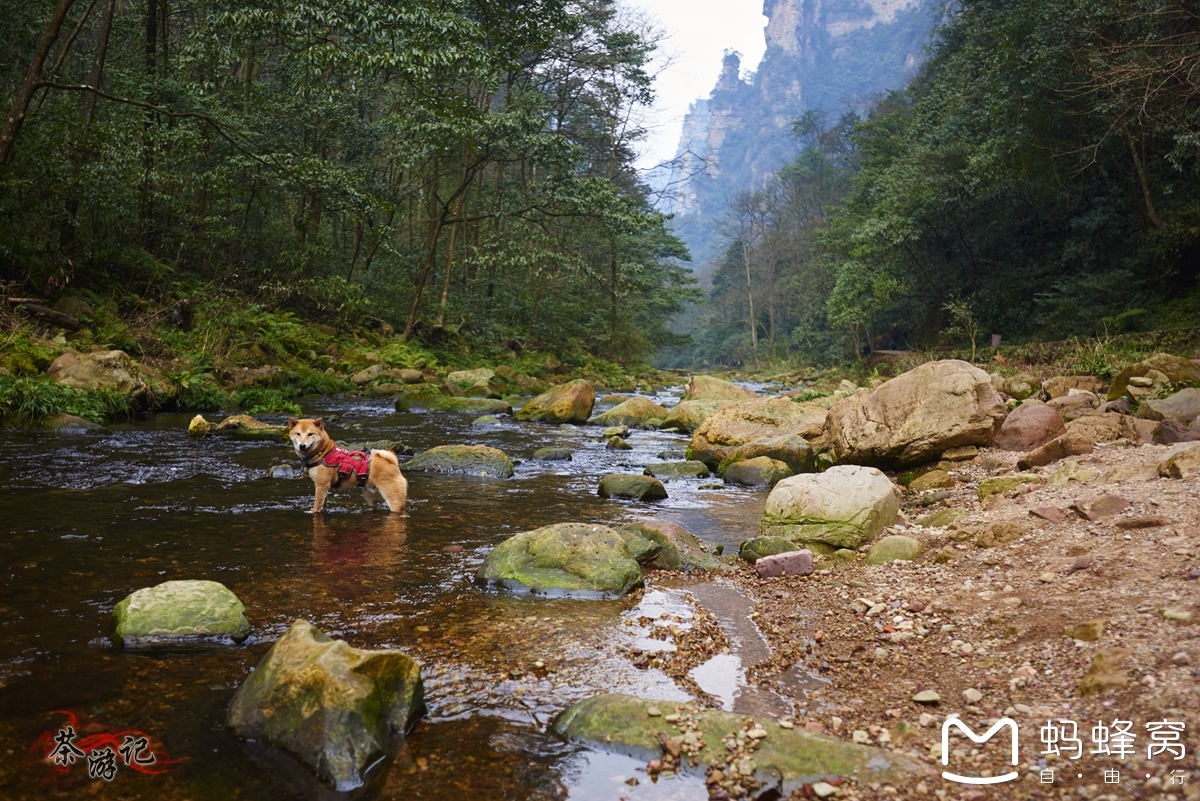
(87, 519)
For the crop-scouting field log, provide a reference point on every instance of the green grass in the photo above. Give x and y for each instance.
(35, 398)
(257, 400)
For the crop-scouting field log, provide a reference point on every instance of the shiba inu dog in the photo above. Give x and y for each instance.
(331, 466)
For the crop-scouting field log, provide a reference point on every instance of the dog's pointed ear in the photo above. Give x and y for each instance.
(292, 421)
(319, 423)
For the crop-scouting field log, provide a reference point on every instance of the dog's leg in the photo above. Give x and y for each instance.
(371, 495)
(388, 480)
(322, 480)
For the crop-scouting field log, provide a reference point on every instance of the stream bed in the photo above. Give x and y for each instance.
(87, 519)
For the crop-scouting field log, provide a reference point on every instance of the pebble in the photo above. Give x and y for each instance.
(757, 733)
(653, 711)
(926, 720)
(814, 727)
(451, 548)
(1047, 577)
(824, 789)
(1178, 615)
(786, 724)
(927, 697)
(861, 737)
(972, 696)
(1182, 658)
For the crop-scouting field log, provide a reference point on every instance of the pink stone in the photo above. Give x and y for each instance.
(791, 563)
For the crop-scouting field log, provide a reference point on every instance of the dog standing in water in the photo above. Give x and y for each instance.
(330, 466)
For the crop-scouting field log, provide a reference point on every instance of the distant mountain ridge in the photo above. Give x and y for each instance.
(821, 54)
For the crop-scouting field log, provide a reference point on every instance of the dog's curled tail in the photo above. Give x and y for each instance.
(386, 456)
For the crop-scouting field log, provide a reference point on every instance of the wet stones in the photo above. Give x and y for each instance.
(553, 454)
(637, 412)
(472, 460)
(569, 559)
(330, 705)
(238, 426)
(567, 403)
(179, 613)
(631, 487)
(665, 471)
(679, 548)
(840, 508)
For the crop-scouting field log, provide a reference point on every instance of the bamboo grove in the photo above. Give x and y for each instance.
(449, 167)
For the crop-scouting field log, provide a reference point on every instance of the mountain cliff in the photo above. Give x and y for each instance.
(821, 54)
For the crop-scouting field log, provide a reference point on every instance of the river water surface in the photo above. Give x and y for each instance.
(87, 519)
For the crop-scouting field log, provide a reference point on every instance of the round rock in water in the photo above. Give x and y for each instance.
(637, 488)
(473, 460)
(332, 706)
(180, 613)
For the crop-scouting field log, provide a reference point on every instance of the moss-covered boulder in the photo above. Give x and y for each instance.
(791, 449)
(70, 425)
(1177, 369)
(111, 371)
(332, 706)
(688, 415)
(579, 559)
(784, 761)
(243, 426)
(842, 507)
(470, 460)
(896, 548)
(636, 412)
(637, 488)
(679, 548)
(447, 403)
(707, 387)
(761, 471)
(180, 613)
(754, 420)
(553, 454)
(567, 403)
(756, 548)
(665, 471)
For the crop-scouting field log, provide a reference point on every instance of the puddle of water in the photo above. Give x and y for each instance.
(145, 504)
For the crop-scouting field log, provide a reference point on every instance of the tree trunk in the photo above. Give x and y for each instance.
(750, 299)
(16, 114)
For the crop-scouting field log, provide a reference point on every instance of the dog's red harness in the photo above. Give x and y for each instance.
(352, 466)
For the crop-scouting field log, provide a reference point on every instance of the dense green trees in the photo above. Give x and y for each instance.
(449, 166)
(1044, 167)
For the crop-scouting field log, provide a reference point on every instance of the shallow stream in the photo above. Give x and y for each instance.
(87, 519)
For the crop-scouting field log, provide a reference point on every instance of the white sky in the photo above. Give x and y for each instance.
(699, 32)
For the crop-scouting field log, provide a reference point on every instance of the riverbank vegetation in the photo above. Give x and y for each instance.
(446, 175)
(1041, 174)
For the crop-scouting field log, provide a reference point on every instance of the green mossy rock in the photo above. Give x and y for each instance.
(70, 425)
(1177, 369)
(942, 519)
(332, 706)
(707, 387)
(440, 403)
(896, 548)
(756, 548)
(638, 488)
(553, 454)
(761, 471)
(578, 559)
(785, 759)
(567, 403)
(679, 549)
(470, 460)
(636, 413)
(791, 449)
(665, 471)
(688, 415)
(998, 485)
(243, 426)
(180, 613)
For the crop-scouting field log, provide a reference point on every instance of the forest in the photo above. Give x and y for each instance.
(1039, 179)
(440, 169)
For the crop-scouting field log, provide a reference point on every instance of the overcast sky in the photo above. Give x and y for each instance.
(698, 33)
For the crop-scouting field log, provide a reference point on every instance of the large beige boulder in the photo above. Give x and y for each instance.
(748, 421)
(1175, 369)
(688, 415)
(1028, 426)
(1104, 427)
(912, 418)
(111, 370)
(637, 412)
(841, 508)
(567, 403)
(706, 387)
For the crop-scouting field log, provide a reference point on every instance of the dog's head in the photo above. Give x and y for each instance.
(307, 435)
